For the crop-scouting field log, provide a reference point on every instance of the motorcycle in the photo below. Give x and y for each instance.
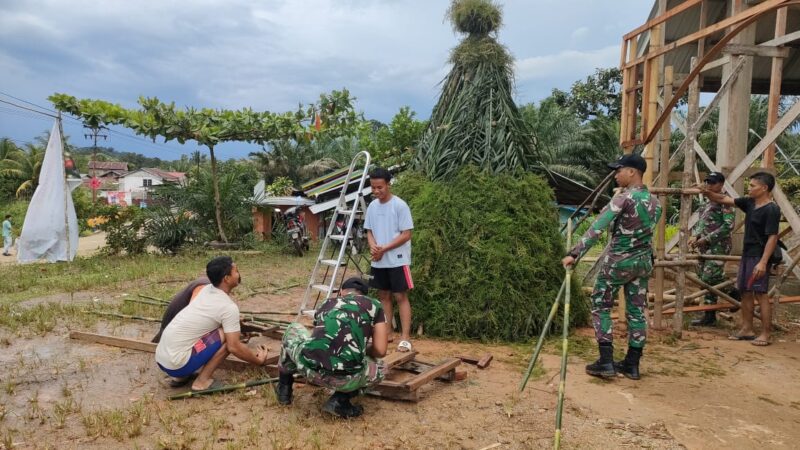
(358, 236)
(294, 220)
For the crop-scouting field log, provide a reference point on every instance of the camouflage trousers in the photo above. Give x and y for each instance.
(294, 340)
(630, 274)
(711, 272)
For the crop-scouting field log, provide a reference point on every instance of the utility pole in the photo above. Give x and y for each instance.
(95, 133)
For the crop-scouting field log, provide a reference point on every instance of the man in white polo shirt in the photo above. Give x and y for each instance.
(202, 334)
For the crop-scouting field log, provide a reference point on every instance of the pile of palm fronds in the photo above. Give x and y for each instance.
(486, 255)
(475, 120)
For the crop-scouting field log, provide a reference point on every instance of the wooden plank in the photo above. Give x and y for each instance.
(776, 74)
(231, 362)
(427, 376)
(397, 358)
(785, 39)
(485, 361)
(418, 367)
(719, 26)
(661, 18)
(788, 118)
(717, 307)
(716, 63)
(393, 392)
(756, 50)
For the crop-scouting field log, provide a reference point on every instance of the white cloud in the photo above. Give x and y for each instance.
(571, 64)
(273, 54)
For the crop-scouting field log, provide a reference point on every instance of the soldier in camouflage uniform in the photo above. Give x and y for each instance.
(711, 235)
(626, 263)
(335, 353)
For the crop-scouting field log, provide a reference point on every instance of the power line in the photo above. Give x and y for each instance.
(28, 109)
(153, 145)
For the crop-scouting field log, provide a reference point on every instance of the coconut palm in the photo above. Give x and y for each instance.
(24, 165)
(561, 140)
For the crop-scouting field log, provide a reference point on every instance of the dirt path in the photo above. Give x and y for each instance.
(700, 392)
(87, 246)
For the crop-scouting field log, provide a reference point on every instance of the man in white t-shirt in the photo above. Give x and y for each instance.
(203, 333)
(389, 226)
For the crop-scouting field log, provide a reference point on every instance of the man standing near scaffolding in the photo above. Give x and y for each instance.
(761, 226)
(627, 263)
(711, 235)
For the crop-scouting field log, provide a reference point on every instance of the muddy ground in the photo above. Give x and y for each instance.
(703, 391)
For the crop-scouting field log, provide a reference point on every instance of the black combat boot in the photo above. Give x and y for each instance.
(709, 319)
(630, 365)
(603, 367)
(284, 388)
(339, 405)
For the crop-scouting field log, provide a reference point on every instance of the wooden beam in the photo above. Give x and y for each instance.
(756, 50)
(783, 40)
(716, 63)
(718, 307)
(776, 74)
(719, 26)
(429, 375)
(398, 358)
(661, 18)
(788, 118)
(231, 363)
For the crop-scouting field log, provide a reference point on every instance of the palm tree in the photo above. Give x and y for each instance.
(561, 141)
(24, 165)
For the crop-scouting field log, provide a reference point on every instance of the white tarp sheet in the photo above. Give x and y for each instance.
(50, 230)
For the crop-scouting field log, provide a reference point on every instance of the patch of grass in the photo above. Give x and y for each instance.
(39, 319)
(62, 410)
(110, 273)
(118, 423)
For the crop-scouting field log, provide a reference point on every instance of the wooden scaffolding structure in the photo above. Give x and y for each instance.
(689, 46)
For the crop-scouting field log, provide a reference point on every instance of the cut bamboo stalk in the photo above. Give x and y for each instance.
(562, 385)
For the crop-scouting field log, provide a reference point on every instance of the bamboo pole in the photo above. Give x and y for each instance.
(153, 298)
(564, 343)
(542, 334)
(686, 201)
(124, 316)
(144, 302)
(662, 182)
(227, 388)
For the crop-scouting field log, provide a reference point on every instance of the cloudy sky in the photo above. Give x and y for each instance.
(272, 55)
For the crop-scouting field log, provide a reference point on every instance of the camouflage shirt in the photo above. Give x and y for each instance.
(632, 215)
(714, 225)
(338, 342)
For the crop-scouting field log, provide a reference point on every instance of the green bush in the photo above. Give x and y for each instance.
(123, 228)
(486, 255)
(169, 231)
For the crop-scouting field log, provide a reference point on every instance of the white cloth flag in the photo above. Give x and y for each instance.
(50, 230)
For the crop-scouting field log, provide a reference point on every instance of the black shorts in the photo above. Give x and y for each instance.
(393, 279)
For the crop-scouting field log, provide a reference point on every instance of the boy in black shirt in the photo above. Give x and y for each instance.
(762, 220)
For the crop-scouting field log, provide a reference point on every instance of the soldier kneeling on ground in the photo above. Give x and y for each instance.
(336, 354)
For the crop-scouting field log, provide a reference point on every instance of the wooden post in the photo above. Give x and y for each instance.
(656, 67)
(663, 180)
(775, 88)
(630, 118)
(686, 201)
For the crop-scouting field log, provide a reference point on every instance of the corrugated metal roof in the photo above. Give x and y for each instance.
(688, 22)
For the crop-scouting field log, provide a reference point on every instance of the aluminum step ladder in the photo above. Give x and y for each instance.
(339, 246)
